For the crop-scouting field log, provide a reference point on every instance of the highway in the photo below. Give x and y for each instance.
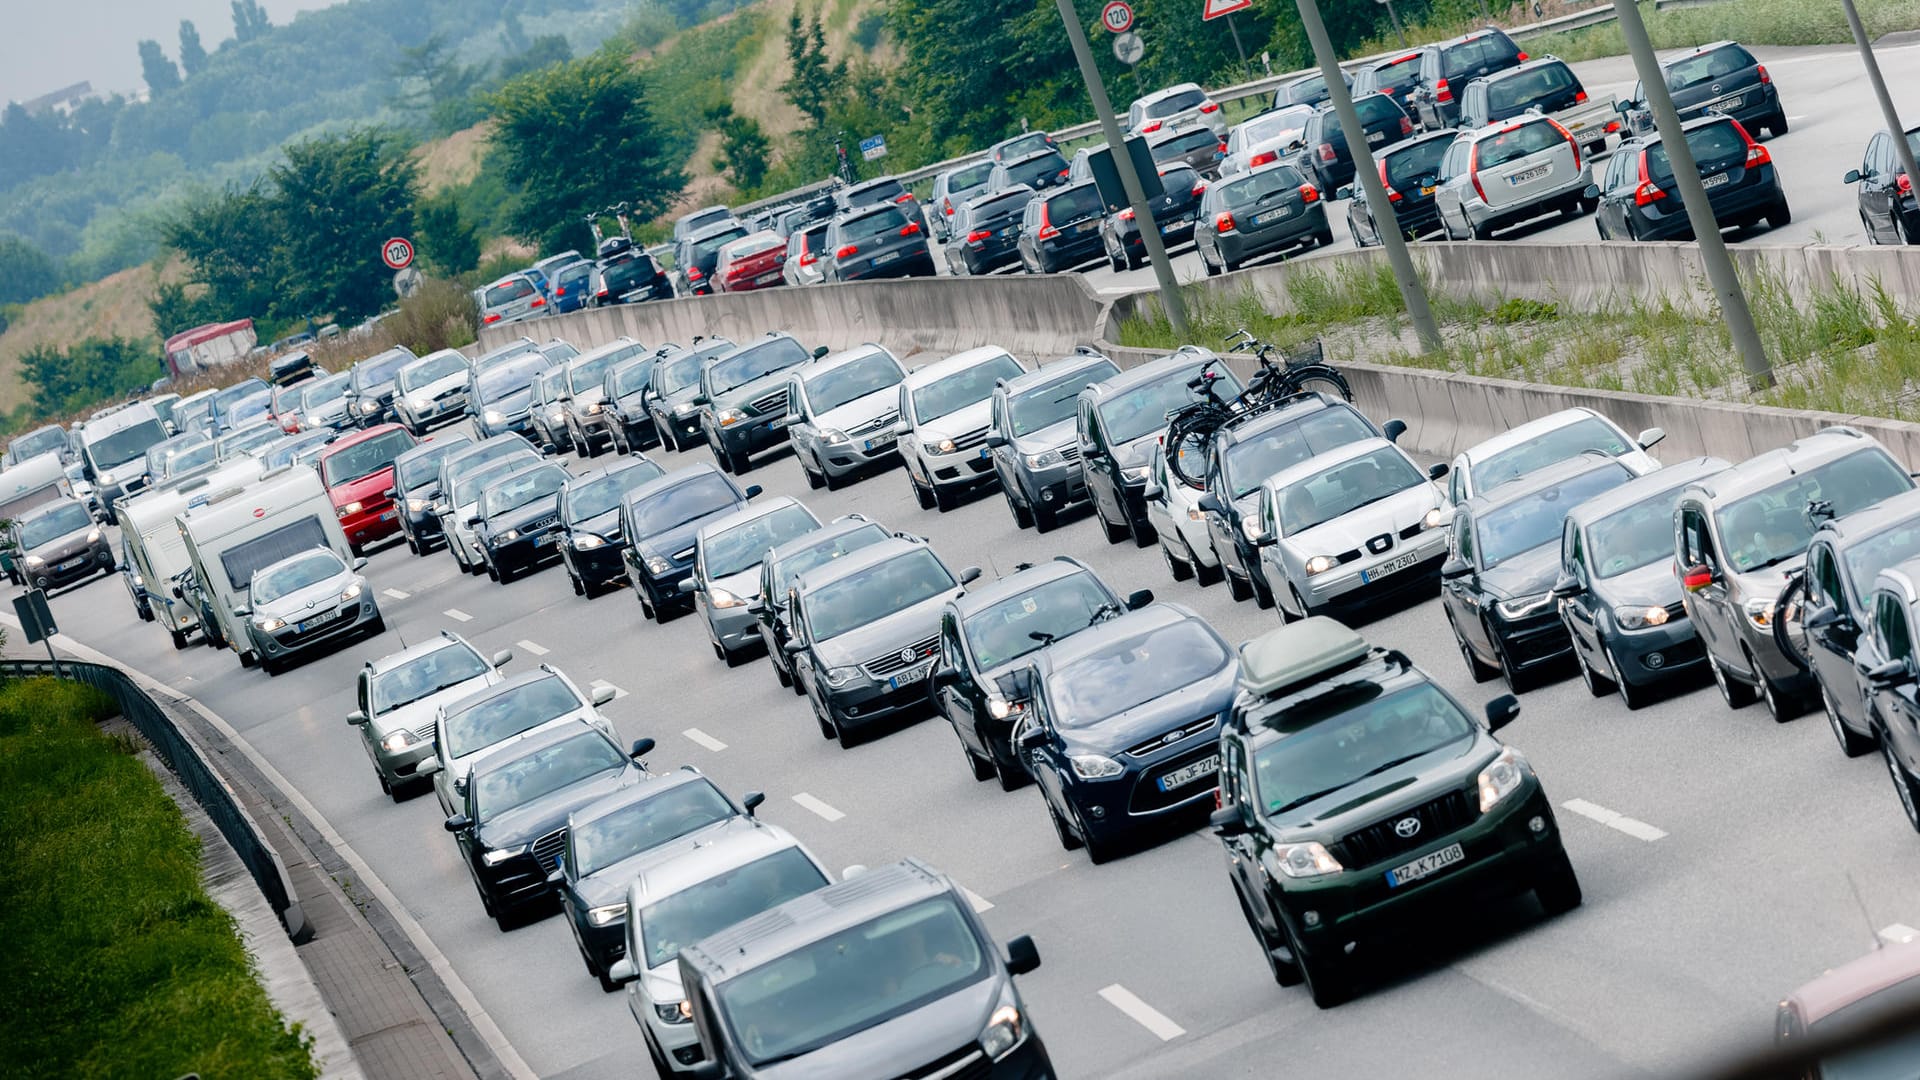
(1720, 853)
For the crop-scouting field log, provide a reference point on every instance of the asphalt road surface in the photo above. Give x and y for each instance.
(1719, 851)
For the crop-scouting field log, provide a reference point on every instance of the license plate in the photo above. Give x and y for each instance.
(1183, 776)
(1426, 865)
(1171, 226)
(391, 515)
(1427, 189)
(1273, 215)
(545, 540)
(910, 676)
(767, 279)
(887, 258)
(1527, 177)
(1730, 103)
(1391, 566)
(71, 563)
(317, 620)
(1374, 137)
(874, 444)
(1716, 180)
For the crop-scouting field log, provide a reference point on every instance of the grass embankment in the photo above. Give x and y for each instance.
(1839, 349)
(119, 964)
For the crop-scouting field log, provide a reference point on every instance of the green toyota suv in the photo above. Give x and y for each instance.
(1358, 798)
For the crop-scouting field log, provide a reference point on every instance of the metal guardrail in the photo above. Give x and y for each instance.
(184, 758)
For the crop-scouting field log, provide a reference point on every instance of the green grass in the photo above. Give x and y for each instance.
(1751, 22)
(1838, 349)
(119, 964)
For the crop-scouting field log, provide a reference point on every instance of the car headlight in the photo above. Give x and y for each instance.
(494, 416)
(500, 855)
(1310, 859)
(834, 437)
(510, 536)
(1435, 518)
(270, 623)
(1639, 618)
(587, 542)
(1502, 777)
(1320, 564)
(106, 479)
(1252, 529)
(93, 536)
(350, 509)
(841, 676)
(1522, 606)
(1760, 614)
(658, 565)
(1094, 766)
(1000, 708)
(1003, 1032)
(685, 409)
(367, 408)
(726, 417)
(351, 592)
(417, 506)
(944, 446)
(603, 916)
(397, 741)
(421, 403)
(596, 408)
(315, 420)
(673, 1012)
(139, 581)
(1045, 459)
(1136, 475)
(721, 598)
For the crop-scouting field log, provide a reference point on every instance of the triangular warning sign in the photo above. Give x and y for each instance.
(1217, 8)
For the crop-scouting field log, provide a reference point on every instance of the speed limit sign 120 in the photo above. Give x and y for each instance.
(1117, 16)
(397, 253)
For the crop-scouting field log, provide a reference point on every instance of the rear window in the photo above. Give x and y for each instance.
(1417, 162)
(1398, 74)
(1478, 56)
(1705, 67)
(1709, 142)
(1185, 142)
(1021, 147)
(1176, 102)
(709, 247)
(1261, 184)
(881, 191)
(1039, 165)
(1311, 88)
(971, 176)
(1516, 143)
(1513, 94)
(999, 205)
(868, 226)
(507, 292)
(1074, 204)
(814, 239)
(1373, 109)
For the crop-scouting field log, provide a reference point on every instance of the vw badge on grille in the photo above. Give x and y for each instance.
(907, 656)
(1406, 828)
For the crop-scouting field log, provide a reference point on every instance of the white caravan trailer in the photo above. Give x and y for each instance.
(157, 550)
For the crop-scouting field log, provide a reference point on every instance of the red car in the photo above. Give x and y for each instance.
(1874, 989)
(358, 472)
(751, 262)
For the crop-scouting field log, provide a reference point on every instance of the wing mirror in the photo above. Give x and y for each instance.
(1022, 955)
(1032, 739)
(752, 801)
(945, 676)
(502, 658)
(1824, 617)
(819, 351)
(176, 593)
(689, 586)
(1648, 438)
(903, 428)
(1437, 470)
(641, 748)
(1697, 577)
(603, 694)
(1345, 191)
(1228, 821)
(1139, 598)
(754, 490)
(702, 399)
(970, 575)
(1153, 492)
(1208, 504)
(389, 493)
(243, 611)
(1623, 107)
(1502, 711)
(1891, 673)
(458, 823)
(998, 441)
(795, 647)
(623, 970)
(556, 876)
(1393, 429)
(1566, 588)
(1455, 568)
(1852, 177)
(473, 521)
(356, 717)
(360, 563)
(427, 767)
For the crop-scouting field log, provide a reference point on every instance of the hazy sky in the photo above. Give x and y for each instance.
(48, 44)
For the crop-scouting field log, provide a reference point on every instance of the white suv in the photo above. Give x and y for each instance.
(515, 708)
(1508, 172)
(945, 416)
(400, 695)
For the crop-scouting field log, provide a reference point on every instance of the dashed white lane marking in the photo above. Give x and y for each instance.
(457, 615)
(980, 903)
(397, 594)
(1613, 819)
(533, 649)
(598, 683)
(808, 802)
(1142, 1013)
(704, 739)
(1898, 934)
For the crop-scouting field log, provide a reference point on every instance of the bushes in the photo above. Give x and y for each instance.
(119, 963)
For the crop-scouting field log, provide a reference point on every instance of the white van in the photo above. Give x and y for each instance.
(241, 529)
(155, 548)
(114, 450)
(28, 484)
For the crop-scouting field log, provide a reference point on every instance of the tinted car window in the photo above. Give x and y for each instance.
(321, 391)
(1397, 74)
(588, 374)
(67, 518)
(380, 369)
(517, 491)
(1026, 144)
(1142, 409)
(1003, 205)
(752, 363)
(851, 381)
(971, 176)
(876, 592)
(508, 378)
(889, 220)
(1867, 558)
(543, 772)
(1571, 440)
(1349, 734)
(1006, 631)
(1516, 143)
(1772, 526)
(1480, 55)
(644, 825)
(1185, 142)
(1248, 463)
(742, 547)
(364, 458)
(1179, 101)
(1373, 109)
(681, 503)
(678, 373)
(881, 191)
(697, 911)
(1626, 540)
(1705, 67)
(1128, 674)
(506, 714)
(1258, 185)
(1045, 406)
(1519, 526)
(1275, 124)
(708, 247)
(1074, 204)
(1512, 94)
(790, 568)
(1709, 142)
(954, 392)
(507, 291)
(1415, 163)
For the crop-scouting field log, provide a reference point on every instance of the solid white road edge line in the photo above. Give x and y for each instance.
(531, 648)
(1142, 1013)
(808, 802)
(704, 739)
(457, 615)
(477, 1013)
(1613, 819)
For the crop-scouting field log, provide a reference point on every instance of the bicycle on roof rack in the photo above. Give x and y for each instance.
(1190, 428)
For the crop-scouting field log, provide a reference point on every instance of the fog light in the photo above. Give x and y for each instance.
(1537, 823)
(1653, 660)
(1046, 496)
(1311, 918)
(1098, 812)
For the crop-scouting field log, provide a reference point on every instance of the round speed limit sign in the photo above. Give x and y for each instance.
(1117, 16)
(397, 253)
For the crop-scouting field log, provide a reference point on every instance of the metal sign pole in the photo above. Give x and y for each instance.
(1234, 29)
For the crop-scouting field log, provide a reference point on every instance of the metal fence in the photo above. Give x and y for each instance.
(185, 759)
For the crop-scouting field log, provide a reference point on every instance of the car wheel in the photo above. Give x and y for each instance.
(1779, 215)
(1516, 682)
(1262, 592)
(1045, 518)
(1597, 684)
(944, 501)
(822, 717)
(1630, 695)
(645, 596)
(1324, 979)
(920, 495)
(1114, 262)
(1284, 972)
(1022, 517)
(248, 658)
(980, 769)
(179, 638)
(830, 481)
(1353, 228)
(1204, 575)
(1481, 671)
(1205, 263)
(780, 672)
(1736, 694)
(1906, 230)
(1482, 231)
(1781, 705)
(1558, 890)
(814, 480)
(1851, 743)
(1324, 237)
(1068, 838)
(1099, 850)
(1011, 777)
(666, 436)
(1902, 784)
(1114, 533)
(1776, 124)
(1178, 569)
(579, 587)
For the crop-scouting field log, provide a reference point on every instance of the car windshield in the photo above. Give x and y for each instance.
(1560, 444)
(1774, 525)
(1249, 462)
(1176, 101)
(1347, 734)
(704, 908)
(1055, 402)
(951, 393)
(790, 568)
(1877, 1058)
(321, 391)
(844, 983)
(587, 375)
(876, 592)
(1275, 124)
(54, 524)
(646, 824)
(35, 443)
(251, 407)
(426, 675)
(853, 380)
(126, 444)
(1512, 94)
(543, 772)
(224, 398)
(1018, 625)
(753, 362)
(1713, 142)
(376, 370)
(364, 458)
(467, 488)
(741, 548)
(1523, 140)
(1014, 149)
(503, 715)
(1626, 540)
(509, 377)
(417, 469)
(180, 461)
(708, 493)
(631, 376)
(1419, 162)
(431, 369)
(247, 439)
(677, 373)
(518, 490)
(1889, 546)
(1142, 410)
(1134, 671)
(1518, 527)
(506, 292)
(1479, 55)
(295, 574)
(1691, 71)
(558, 352)
(1185, 142)
(602, 493)
(1308, 89)
(1259, 185)
(888, 219)
(1344, 488)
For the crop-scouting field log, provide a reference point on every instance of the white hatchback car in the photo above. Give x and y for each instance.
(1174, 509)
(946, 412)
(400, 695)
(1509, 172)
(1538, 443)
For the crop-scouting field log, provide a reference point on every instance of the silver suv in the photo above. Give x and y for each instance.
(1035, 449)
(1509, 172)
(1176, 106)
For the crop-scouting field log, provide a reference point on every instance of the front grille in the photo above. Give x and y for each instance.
(886, 664)
(1160, 742)
(1147, 796)
(1070, 452)
(770, 403)
(875, 424)
(970, 438)
(548, 848)
(1382, 840)
(541, 524)
(967, 1063)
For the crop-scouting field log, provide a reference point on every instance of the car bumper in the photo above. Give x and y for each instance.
(289, 641)
(73, 568)
(916, 265)
(599, 565)
(959, 470)
(1241, 245)
(679, 1043)
(514, 883)
(1354, 583)
(685, 429)
(1530, 204)
(866, 702)
(422, 526)
(839, 459)
(1733, 204)
(1534, 641)
(526, 551)
(435, 412)
(1054, 487)
(1173, 233)
(734, 628)
(1648, 656)
(750, 436)
(1135, 799)
(604, 944)
(370, 525)
(666, 587)
(1058, 255)
(991, 255)
(399, 766)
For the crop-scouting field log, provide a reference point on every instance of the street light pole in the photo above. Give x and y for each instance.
(1129, 179)
(1686, 174)
(1892, 116)
(1412, 293)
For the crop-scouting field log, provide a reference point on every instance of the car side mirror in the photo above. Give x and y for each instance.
(754, 490)
(1228, 821)
(1695, 578)
(427, 767)
(1139, 598)
(641, 748)
(970, 575)
(757, 606)
(176, 593)
(1623, 107)
(1393, 429)
(752, 800)
(1265, 540)
(1502, 711)
(1891, 673)
(945, 676)
(360, 563)
(556, 876)
(502, 658)
(603, 694)
(795, 647)
(1344, 191)
(458, 823)
(1852, 177)
(1437, 470)
(1591, 193)
(1209, 504)
(701, 399)
(1650, 437)
(1022, 955)
(243, 611)
(623, 970)
(1455, 568)
(689, 586)
(998, 441)
(1825, 616)
(819, 351)
(1153, 492)
(472, 521)
(356, 717)
(389, 493)
(1032, 739)
(1566, 588)
(704, 1070)
(903, 428)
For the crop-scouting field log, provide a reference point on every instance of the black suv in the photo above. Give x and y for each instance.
(1640, 200)
(874, 242)
(1888, 210)
(629, 277)
(1061, 230)
(1359, 799)
(1722, 76)
(659, 521)
(1174, 214)
(1411, 171)
(1040, 169)
(1447, 68)
(986, 232)
(783, 566)
(695, 256)
(1328, 160)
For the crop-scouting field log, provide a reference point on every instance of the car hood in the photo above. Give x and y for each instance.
(1354, 528)
(1526, 574)
(543, 507)
(372, 486)
(1403, 787)
(955, 424)
(745, 584)
(885, 634)
(1210, 696)
(511, 404)
(680, 537)
(415, 715)
(61, 547)
(606, 526)
(321, 594)
(861, 410)
(633, 404)
(1051, 437)
(455, 381)
(588, 396)
(549, 812)
(377, 391)
(753, 388)
(1653, 585)
(932, 1031)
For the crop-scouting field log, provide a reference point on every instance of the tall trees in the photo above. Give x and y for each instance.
(156, 69)
(193, 55)
(817, 83)
(340, 197)
(64, 380)
(250, 21)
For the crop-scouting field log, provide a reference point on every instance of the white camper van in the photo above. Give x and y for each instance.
(28, 484)
(158, 552)
(241, 529)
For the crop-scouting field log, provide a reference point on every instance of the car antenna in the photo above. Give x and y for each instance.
(1878, 941)
(402, 638)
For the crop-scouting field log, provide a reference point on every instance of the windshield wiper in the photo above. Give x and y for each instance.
(1305, 799)
(1395, 763)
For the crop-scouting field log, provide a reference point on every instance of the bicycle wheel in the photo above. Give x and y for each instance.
(1190, 441)
(1789, 630)
(1320, 378)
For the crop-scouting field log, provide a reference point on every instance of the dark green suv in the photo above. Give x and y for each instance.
(1358, 799)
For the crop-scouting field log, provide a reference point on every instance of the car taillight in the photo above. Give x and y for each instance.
(1064, 173)
(978, 235)
(1126, 214)
(601, 294)
(1473, 173)
(560, 290)
(1209, 107)
(903, 197)
(1523, 58)
(1579, 97)
(1757, 155)
(808, 258)
(847, 251)
(1406, 126)
(1223, 223)
(1326, 151)
(1613, 126)
(1309, 193)
(1441, 91)
(1047, 231)
(946, 206)
(694, 273)
(491, 319)
(1222, 148)
(538, 302)
(1264, 157)
(911, 228)
(1200, 187)
(1762, 69)
(1155, 126)
(1903, 184)
(1647, 192)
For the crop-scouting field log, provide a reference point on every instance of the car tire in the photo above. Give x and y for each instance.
(1324, 979)
(1238, 589)
(920, 495)
(1483, 231)
(1022, 517)
(1353, 227)
(179, 638)
(814, 480)
(1851, 743)
(644, 594)
(1905, 231)
(1099, 850)
(1205, 263)
(1776, 124)
(1204, 575)
(1010, 777)
(1779, 215)
(1324, 237)
(1284, 972)
(579, 587)
(1262, 592)
(1178, 569)
(1630, 695)
(944, 501)
(248, 658)
(666, 436)
(1478, 669)
(1903, 784)
(1597, 685)
(1736, 694)
(981, 770)
(1558, 890)
(1781, 705)
(782, 674)
(1114, 533)
(1045, 519)
(1069, 839)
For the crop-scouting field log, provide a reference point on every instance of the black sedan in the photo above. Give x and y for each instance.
(660, 520)
(1174, 213)
(516, 523)
(512, 825)
(1497, 585)
(416, 484)
(1411, 171)
(590, 536)
(1618, 594)
(1639, 199)
(987, 634)
(1122, 731)
(784, 565)
(1888, 209)
(672, 386)
(1844, 557)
